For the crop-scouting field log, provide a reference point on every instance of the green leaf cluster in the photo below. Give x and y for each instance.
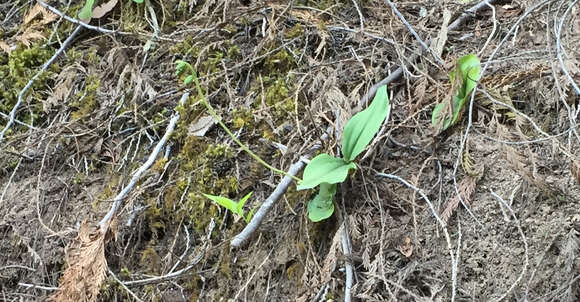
(326, 171)
(234, 207)
(469, 68)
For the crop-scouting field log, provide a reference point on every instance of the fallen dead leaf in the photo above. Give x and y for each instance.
(27, 37)
(32, 13)
(62, 88)
(37, 10)
(202, 125)
(104, 8)
(439, 43)
(5, 47)
(406, 248)
(87, 266)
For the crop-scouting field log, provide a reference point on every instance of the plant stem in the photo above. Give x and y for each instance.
(214, 114)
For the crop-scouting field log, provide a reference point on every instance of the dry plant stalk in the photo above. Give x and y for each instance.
(87, 266)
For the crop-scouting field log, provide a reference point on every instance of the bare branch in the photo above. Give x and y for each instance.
(413, 32)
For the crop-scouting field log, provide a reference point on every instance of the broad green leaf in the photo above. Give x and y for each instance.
(226, 203)
(362, 127)
(322, 206)
(86, 12)
(324, 169)
(470, 68)
(439, 112)
(242, 202)
(138, 1)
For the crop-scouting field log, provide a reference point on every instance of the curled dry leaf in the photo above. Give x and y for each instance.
(406, 248)
(202, 125)
(104, 8)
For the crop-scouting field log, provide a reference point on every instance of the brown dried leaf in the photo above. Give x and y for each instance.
(104, 8)
(418, 95)
(439, 43)
(62, 88)
(5, 47)
(82, 279)
(406, 248)
(466, 189)
(27, 37)
(47, 16)
(32, 13)
(329, 263)
(201, 126)
(525, 165)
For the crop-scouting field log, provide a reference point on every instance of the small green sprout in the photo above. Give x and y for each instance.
(183, 67)
(234, 207)
(446, 113)
(326, 171)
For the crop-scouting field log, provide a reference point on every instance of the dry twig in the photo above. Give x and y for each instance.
(526, 254)
(443, 225)
(137, 175)
(413, 32)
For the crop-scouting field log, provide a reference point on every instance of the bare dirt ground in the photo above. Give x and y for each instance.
(498, 221)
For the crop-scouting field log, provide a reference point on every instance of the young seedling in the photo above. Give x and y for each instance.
(184, 68)
(463, 79)
(327, 171)
(235, 207)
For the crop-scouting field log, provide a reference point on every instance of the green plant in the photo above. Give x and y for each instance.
(326, 171)
(447, 112)
(183, 67)
(86, 13)
(235, 207)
